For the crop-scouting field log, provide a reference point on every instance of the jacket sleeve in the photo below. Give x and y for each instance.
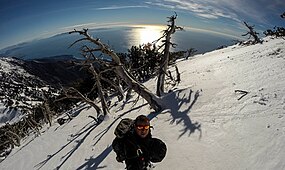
(119, 148)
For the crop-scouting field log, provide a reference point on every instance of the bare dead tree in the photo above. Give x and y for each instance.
(252, 33)
(72, 93)
(33, 124)
(11, 134)
(118, 68)
(47, 112)
(97, 73)
(277, 31)
(97, 84)
(190, 52)
(165, 58)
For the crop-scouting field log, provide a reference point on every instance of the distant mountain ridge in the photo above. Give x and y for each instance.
(18, 89)
(23, 82)
(55, 71)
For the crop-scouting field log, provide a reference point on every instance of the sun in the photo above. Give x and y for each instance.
(148, 34)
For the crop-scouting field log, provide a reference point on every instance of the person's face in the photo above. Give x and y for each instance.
(142, 129)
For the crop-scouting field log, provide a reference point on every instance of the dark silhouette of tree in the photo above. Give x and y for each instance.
(143, 61)
(162, 72)
(252, 33)
(277, 31)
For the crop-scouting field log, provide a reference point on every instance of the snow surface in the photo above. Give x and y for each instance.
(11, 115)
(14, 78)
(7, 67)
(206, 124)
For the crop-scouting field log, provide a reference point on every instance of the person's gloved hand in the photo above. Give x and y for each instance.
(157, 149)
(120, 158)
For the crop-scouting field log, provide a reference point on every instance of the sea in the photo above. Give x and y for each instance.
(119, 39)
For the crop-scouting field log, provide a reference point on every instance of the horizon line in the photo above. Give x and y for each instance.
(95, 26)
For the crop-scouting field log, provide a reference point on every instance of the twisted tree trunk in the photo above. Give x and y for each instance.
(165, 60)
(121, 71)
(151, 98)
(252, 33)
(100, 90)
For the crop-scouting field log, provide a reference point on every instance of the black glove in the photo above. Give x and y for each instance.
(157, 150)
(120, 158)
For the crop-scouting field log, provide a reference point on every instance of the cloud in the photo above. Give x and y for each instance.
(202, 8)
(121, 7)
(237, 10)
(207, 16)
(79, 26)
(160, 5)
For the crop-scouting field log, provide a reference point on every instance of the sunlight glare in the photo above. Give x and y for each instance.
(148, 34)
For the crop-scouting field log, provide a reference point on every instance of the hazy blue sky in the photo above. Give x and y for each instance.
(25, 20)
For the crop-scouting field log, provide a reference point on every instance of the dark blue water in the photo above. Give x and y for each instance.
(120, 39)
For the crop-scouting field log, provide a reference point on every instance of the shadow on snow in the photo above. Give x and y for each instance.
(75, 139)
(93, 163)
(179, 103)
(78, 139)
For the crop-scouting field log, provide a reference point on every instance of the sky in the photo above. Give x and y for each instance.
(22, 20)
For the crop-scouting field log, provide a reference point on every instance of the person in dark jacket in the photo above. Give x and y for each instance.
(137, 147)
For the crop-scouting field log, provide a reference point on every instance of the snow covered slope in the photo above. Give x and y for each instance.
(18, 89)
(208, 123)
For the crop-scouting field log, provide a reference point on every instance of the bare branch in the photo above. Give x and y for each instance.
(120, 70)
(244, 93)
(83, 39)
(75, 94)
